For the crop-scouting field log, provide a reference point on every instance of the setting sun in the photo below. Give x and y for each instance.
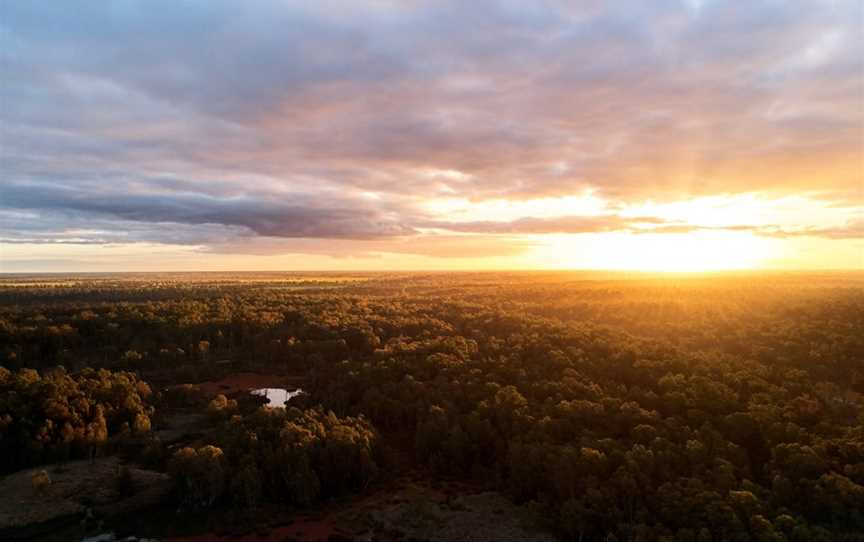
(688, 252)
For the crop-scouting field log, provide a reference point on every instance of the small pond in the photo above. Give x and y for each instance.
(277, 397)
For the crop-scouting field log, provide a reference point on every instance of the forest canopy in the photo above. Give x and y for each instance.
(647, 408)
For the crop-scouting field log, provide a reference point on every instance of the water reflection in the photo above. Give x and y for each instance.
(277, 397)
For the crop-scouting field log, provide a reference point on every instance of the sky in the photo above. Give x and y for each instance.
(382, 134)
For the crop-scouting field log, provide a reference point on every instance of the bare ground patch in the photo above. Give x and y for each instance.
(74, 488)
(243, 382)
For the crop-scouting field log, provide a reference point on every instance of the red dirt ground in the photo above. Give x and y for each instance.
(242, 382)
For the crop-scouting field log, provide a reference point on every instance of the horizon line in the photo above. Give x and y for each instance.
(454, 270)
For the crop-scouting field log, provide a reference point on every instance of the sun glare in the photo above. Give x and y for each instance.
(688, 252)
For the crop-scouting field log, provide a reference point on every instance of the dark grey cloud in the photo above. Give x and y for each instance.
(282, 215)
(76, 228)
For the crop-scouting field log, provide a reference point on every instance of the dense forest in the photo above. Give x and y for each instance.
(624, 407)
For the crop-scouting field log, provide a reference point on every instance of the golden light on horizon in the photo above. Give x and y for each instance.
(708, 233)
(684, 252)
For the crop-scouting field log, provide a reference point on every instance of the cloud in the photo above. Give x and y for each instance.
(850, 230)
(318, 120)
(447, 246)
(289, 215)
(854, 229)
(539, 226)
